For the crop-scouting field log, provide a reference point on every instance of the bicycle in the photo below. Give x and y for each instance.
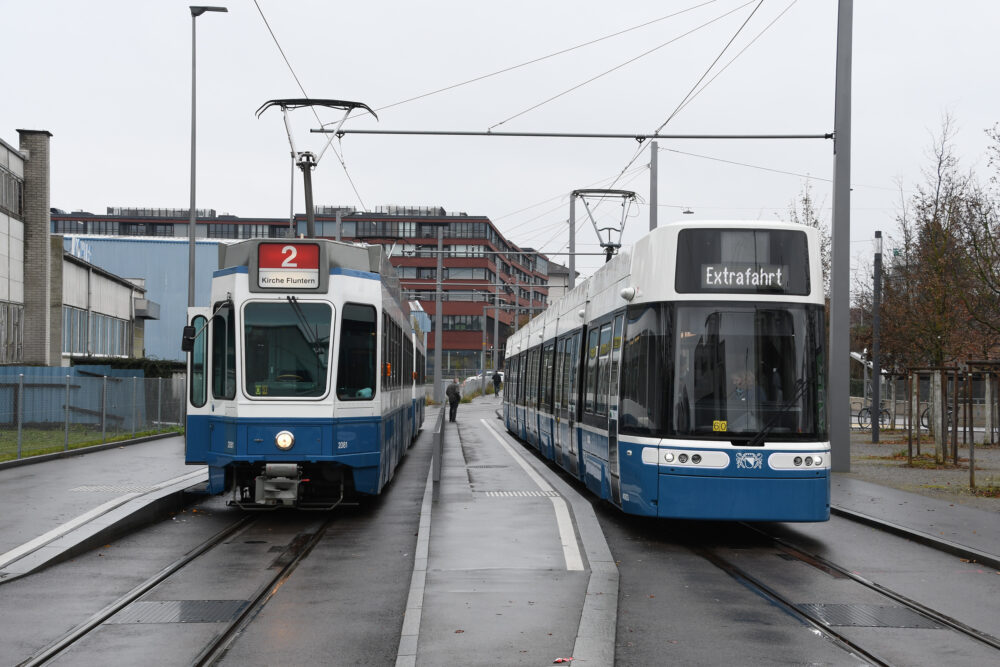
(865, 418)
(925, 419)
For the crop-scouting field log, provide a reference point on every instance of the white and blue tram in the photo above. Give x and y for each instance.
(305, 377)
(687, 377)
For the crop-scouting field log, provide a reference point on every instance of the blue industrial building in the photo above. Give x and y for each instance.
(162, 264)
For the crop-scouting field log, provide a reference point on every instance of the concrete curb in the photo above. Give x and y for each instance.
(99, 526)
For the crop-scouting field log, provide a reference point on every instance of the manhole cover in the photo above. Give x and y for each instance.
(868, 616)
(180, 611)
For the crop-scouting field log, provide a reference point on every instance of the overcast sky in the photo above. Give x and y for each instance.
(111, 79)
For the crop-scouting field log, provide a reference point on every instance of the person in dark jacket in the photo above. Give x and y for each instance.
(496, 383)
(454, 396)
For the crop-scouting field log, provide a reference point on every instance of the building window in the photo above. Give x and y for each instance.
(11, 333)
(11, 194)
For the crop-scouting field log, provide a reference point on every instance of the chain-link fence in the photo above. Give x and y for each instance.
(46, 410)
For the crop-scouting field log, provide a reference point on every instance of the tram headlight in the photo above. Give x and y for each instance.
(809, 460)
(696, 458)
(797, 460)
(818, 460)
(669, 457)
(683, 458)
(284, 440)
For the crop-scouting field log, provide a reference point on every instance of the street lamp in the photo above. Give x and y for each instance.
(196, 11)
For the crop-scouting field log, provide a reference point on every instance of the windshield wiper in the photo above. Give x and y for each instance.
(311, 336)
(800, 389)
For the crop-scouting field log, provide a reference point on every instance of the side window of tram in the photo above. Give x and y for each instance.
(199, 377)
(560, 377)
(591, 371)
(548, 363)
(356, 368)
(573, 371)
(223, 366)
(603, 370)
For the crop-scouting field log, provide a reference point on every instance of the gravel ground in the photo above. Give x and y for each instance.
(885, 463)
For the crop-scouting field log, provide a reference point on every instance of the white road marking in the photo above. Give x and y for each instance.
(567, 534)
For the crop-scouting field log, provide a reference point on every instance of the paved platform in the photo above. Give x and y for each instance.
(510, 561)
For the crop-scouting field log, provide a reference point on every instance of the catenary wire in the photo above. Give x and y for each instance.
(545, 57)
(621, 65)
(291, 69)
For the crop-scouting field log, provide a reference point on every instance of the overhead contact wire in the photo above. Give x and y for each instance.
(291, 69)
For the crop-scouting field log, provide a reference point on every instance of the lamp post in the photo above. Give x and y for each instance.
(196, 11)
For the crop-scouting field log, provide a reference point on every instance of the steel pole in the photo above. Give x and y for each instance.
(572, 240)
(483, 351)
(876, 365)
(438, 321)
(192, 214)
(839, 406)
(653, 194)
(66, 436)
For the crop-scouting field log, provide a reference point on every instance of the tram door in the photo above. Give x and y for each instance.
(613, 462)
(559, 406)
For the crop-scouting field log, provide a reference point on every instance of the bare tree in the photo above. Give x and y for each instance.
(804, 212)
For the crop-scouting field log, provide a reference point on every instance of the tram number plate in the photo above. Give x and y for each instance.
(288, 265)
(720, 425)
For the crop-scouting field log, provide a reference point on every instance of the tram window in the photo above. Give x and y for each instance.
(603, 371)
(199, 379)
(616, 344)
(573, 366)
(548, 362)
(223, 353)
(560, 377)
(643, 388)
(356, 365)
(591, 371)
(287, 348)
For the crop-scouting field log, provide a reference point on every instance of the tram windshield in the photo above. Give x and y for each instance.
(732, 370)
(287, 348)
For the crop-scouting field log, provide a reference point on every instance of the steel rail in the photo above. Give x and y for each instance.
(787, 605)
(60, 645)
(823, 563)
(221, 643)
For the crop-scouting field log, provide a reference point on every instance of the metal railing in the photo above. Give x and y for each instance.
(47, 410)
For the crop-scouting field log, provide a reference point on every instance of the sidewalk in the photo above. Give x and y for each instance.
(518, 571)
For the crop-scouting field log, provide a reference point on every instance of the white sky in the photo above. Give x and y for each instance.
(111, 79)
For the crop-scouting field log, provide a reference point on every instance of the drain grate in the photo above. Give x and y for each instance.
(111, 488)
(868, 616)
(179, 611)
(520, 494)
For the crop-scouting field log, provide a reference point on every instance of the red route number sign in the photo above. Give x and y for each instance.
(288, 265)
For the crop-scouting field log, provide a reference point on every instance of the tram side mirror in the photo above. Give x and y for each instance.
(187, 340)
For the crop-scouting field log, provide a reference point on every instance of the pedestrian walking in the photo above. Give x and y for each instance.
(454, 396)
(496, 383)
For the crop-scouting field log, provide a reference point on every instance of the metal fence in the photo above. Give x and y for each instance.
(46, 410)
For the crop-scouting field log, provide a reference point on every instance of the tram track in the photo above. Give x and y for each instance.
(280, 568)
(818, 616)
(926, 539)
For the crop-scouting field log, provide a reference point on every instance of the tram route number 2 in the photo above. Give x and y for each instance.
(288, 265)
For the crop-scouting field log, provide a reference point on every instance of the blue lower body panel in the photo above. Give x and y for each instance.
(744, 499)
(370, 448)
